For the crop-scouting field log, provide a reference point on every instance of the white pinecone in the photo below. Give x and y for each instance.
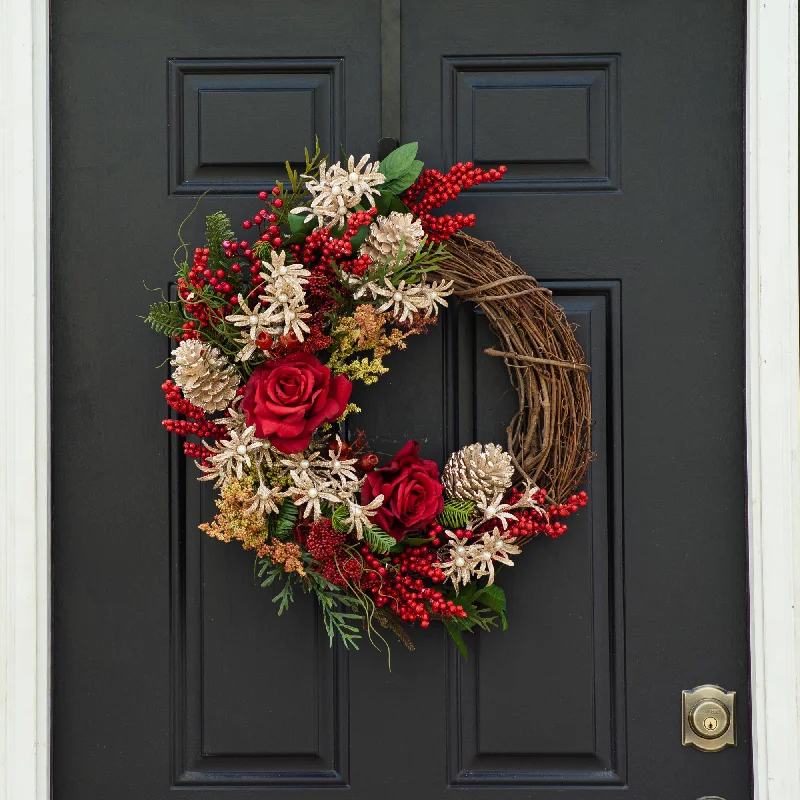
(477, 472)
(205, 377)
(386, 235)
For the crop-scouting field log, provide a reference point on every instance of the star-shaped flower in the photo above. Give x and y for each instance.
(494, 546)
(434, 295)
(258, 323)
(405, 301)
(264, 501)
(305, 491)
(337, 190)
(307, 462)
(292, 318)
(230, 456)
(342, 468)
(456, 560)
(359, 516)
(496, 509)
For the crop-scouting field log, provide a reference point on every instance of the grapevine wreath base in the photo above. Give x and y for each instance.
(338, 267)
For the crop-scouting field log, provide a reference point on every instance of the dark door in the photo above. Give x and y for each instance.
(621, 125)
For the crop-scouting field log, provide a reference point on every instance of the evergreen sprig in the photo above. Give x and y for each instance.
(218, 230)
(280, 525)
(270, 573)
(378, 540)
(167, 317)
(337, 610)
(456, 514)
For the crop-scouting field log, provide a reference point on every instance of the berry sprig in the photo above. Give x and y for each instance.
(433, 189)
(530, 522)
(196, 424)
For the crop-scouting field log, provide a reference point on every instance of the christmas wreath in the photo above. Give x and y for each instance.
(339, 267)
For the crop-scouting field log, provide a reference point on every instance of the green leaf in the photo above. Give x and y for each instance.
(383, 202)
(495, 598)
(297, 223)
(416, 541)
(396, 204)
(299, 229)
(456, 514)
(399, 161)
(357, 240)
(455, 635)
(402, 182)
(378, 540)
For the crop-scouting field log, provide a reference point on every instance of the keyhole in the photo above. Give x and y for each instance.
(710, 724)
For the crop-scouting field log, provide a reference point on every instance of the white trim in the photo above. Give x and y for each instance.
(773, 395)
(24, 403)
(773, 399)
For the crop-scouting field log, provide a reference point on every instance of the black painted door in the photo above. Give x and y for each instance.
(621, 125)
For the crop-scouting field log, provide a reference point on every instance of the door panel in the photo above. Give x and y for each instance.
(621, 125)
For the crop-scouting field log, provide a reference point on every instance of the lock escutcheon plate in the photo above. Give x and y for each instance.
(709, 721)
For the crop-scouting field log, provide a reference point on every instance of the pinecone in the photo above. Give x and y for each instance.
(386, 234)
(205, 376)
(477, 472)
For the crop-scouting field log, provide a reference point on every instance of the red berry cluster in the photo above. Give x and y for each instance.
(399, 582)
(320, 251)
(326, 545)
(404, 591)
(266, 220)
(531, 523)
(437, 189)
(196, 425)
(227, 280)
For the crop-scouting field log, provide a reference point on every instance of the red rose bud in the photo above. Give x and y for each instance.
(412, 492)
(367, 462)
(288, 341)
(289, 398)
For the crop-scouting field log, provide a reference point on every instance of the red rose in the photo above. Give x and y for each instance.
(289, 398)
(412, 492)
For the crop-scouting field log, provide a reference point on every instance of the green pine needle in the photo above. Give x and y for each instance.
(456, 514)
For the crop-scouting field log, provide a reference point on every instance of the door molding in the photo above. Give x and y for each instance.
(773, 396)
(24, 403)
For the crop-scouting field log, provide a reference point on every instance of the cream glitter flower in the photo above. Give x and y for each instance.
(359, 516)
(495, 509)
(256, 320)
(231, 456)
(264, 501)
(494, 546)
(456, 561)
(342, 468)
(307, 492)
(338, 190)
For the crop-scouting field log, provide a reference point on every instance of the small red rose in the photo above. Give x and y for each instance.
(289, 398)
(411, 489)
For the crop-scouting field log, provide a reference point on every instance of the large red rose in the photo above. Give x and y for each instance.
(411, 489)
(289, 398)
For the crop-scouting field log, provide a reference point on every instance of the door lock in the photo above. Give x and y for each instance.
(709, 718)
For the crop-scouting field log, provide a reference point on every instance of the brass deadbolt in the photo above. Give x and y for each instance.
(709, 718)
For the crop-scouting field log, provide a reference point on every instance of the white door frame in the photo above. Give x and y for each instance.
(773, 395)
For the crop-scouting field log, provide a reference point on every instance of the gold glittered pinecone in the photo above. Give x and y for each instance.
(205, 377)
(386, 235)
(477, 472)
